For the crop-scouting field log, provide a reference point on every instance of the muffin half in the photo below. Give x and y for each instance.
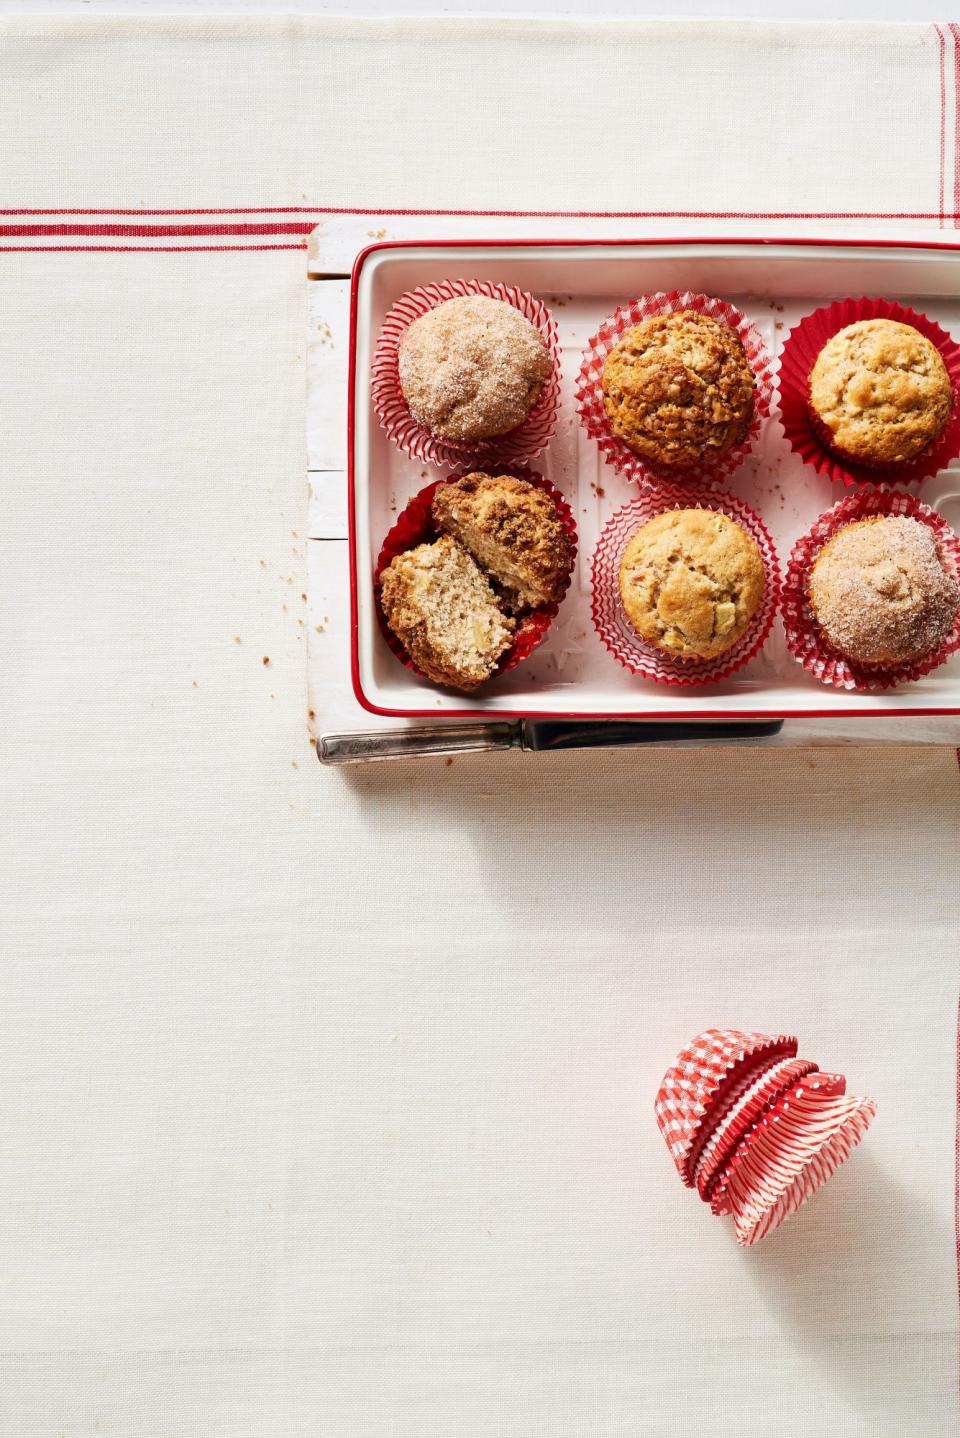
(444, 613)
(514, 532)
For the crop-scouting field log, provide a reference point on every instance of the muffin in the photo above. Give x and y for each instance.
(444, 613)
(472, 369)
(513, 531)
(678, 389)
(691, 582)
(879, 591)
(879, 393)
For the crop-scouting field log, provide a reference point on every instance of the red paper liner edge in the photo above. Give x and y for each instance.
(589, 394)
(810, 441)
(805, 640)
(609, 616)
(414, 525)
(522, 443)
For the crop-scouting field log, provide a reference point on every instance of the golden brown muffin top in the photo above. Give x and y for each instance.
(882, 390)
(880, 593)
(691, 581)
(514, 532)
(678, 389)
(472, 368)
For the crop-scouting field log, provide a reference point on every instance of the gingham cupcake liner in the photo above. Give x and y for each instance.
(414, 525)
(811, 439)
(589, 393)
(610, 618)
(522, 443)
(806, 641)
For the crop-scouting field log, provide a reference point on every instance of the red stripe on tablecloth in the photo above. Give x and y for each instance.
(956, 1172)
(144, 232)
(318, 212)
(139, 249)
(941, 41)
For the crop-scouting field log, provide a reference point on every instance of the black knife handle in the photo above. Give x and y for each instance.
(542, 734)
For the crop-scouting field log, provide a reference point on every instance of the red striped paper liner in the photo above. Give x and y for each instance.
(792, 1152)
(805, 639)
(610, 618)
(414, 525)
(589, 393)
(522, 443)
(810, 439)
(756, 1092)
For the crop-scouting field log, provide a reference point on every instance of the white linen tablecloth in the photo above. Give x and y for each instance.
(326, 1102)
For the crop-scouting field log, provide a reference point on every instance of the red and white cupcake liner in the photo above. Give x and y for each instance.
(414, 525)
(522, 443)
(610, 618)
(593, 416)
(754, 1128)
(811, 440)
(805, 639)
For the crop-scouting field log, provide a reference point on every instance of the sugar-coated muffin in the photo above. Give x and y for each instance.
(442, 609)
(880, 393)
(513, 531)
(472, 368)
(678, 389)
(880, 593)
(691, 581)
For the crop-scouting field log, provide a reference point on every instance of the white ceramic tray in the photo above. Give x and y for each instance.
(572, 674)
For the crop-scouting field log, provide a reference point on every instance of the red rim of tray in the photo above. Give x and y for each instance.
(414, 525)
(805, 639)
(522, 443)
(610, 618)
(589, 394)
(811, 441)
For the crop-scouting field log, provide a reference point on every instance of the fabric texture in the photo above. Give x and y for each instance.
(326, 1102)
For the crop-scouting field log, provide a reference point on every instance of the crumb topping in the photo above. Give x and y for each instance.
(678, 389)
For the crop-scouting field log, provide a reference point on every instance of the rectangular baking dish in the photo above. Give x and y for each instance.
(572, 675)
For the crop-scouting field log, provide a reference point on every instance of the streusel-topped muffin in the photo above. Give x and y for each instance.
(678, 389)
(513, 531)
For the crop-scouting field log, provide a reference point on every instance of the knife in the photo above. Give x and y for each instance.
(534, 736)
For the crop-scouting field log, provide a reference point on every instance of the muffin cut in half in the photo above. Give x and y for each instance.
(444, 613)
(513, 530)
(879, 591)
(879, 393)
(691, 581)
